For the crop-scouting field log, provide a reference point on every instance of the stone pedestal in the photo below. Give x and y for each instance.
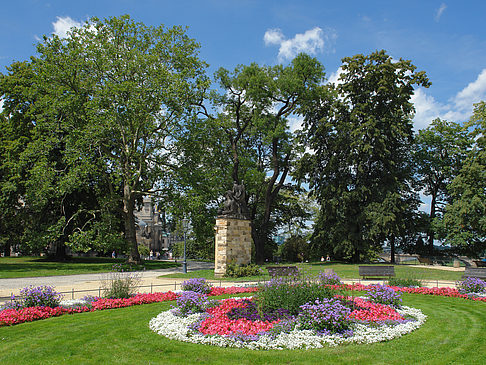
(233, 243)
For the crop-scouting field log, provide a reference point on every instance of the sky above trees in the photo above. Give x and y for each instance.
(447, 39)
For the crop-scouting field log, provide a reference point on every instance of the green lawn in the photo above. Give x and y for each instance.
(21, 267)
(345, 271)
(455, 333)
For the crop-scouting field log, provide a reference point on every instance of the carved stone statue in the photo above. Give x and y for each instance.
(235, 203)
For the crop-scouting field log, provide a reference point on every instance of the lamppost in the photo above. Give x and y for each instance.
(185, 227)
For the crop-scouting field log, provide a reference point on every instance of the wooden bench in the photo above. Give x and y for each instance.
(376, 271)
(275, 271)
(425, 260)
(480, 263)
(475, 272)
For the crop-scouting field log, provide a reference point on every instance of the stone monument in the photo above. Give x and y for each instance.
(233, 231)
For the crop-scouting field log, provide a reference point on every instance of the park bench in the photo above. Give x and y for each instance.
(425, 260)
(276, 271)
(475, 272)
(480, 263)
(376, 271)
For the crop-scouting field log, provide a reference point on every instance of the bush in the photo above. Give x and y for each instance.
(327, 315)
(41, 296)
(198, 285)
(239, 271)
(471, 285)
(290, 293)
(384, 295)
(329, 277)
(119, 284)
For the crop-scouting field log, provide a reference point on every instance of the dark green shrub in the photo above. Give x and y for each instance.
(239, 271)
(291, 293)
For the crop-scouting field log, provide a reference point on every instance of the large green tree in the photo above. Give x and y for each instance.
(359, 137)
(440, 151)
(465, 216)
(252, 128)
(113, 90)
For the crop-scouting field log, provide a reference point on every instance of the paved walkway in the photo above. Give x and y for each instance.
(92, 283)
(77, 286)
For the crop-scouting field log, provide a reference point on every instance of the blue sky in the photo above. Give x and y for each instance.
(447, 39)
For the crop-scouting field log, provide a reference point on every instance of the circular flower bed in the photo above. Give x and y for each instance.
(237, 322)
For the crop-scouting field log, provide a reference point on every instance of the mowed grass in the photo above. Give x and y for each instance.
(21, 267)
(345, 271)
(454, 333)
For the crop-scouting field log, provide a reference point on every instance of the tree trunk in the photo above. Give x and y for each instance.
(392, 250)
(6, 249)
(431, 233)
(259, 241)
(129, 220)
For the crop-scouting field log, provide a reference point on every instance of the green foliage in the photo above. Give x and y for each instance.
(360, 171)
(239, 271)
(294, 249)
(144, 250)
(465, 217)
(291, 293)
(440, 151)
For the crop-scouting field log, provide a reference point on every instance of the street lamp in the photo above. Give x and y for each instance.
(185, 227)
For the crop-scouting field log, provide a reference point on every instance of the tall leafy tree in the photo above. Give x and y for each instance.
(465, 216)
(359, 136)
(440, 151)
(255, 103)
(112, 92)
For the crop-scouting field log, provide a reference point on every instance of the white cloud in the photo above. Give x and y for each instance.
(1, 105)
(295, 123)
(459, 108)
(440, 11)
(312, 41)
(63, 24)
(334, 77)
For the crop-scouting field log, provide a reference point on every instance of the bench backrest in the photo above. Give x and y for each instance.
(282, 270)
(376, 270)
(476, 272)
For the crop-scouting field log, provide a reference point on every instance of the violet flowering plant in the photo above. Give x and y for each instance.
(40, 296)
(328, 316)
(329, 277)
(191, 302)
(199, 285)
(383, 294)
(471, 285)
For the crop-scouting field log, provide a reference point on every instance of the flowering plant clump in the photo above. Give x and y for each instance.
(366, 311)
(329, 277)
(198, 285)
(217, 326)
(384, 295)
(471, 285)
(12, 316)
(219, 323)
(251, 312)
(327, 316)
(190, 302)
(41, 296)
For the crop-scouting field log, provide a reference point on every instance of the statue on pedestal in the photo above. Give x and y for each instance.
(235, 203)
